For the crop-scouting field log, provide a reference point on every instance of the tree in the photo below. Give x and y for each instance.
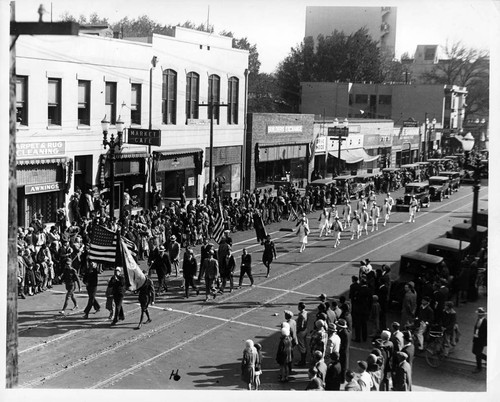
(244, 44)
(338, 57)
(465, 67)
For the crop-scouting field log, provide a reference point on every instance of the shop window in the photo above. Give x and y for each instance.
(54, 102)
(22, 100)
(83, 103)
(111, 101)
(384, 99)
(232, 100)
(361, 99)
(135, 104)
(214, 94)
(192, 95)
(169, 97)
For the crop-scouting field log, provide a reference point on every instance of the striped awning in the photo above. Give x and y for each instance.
(177, 152)
(42, 161)
(131, 155)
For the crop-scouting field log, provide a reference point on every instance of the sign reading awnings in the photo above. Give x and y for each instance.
(42, 188)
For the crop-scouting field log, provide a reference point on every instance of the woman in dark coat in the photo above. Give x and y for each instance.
(284, 356)
(269, 253)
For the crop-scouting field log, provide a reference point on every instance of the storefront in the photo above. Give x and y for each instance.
(129, 175)
(41, 187)
(227, 168)
(278, 149)
(174, 168)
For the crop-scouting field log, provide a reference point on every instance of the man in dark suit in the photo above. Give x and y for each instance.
(345, 343)
(479, 339)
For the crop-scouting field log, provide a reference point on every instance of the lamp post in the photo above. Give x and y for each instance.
(148, 197)
(341, 133)
(475, 166)
(112, 144)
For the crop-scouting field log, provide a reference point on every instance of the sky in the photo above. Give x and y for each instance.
(276, 26)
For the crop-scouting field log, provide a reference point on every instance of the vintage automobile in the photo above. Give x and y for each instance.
(421, 192)
(439, 188)
(355, 189)
(411, 266)
(465, 232)
(452, 250)
(363, 181)
(321, 183)
(454, 179)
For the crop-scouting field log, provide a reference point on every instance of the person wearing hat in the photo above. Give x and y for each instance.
(320, 365)
(345, 344)
(333, 373)
(352, 384)
(319, 337)
(337, 230)
(402, 373)
(333, 342)
(268, 254)
(409, 305)
(146, 297)
(425, 317)
(413, 209)
(386, 347)
(388, 203)
(160, 262)
(70, 277)
(315, 383)
(189, 271)
(91, 279)
(210, 272)
(174, 252)
(302, 323)
(479, 341)
(364, 378)
(245, 267)
(226, 270)
(284, 354)
(117, 283)
(449, 325)
(408, 346)
(323, 221)
(374, 369)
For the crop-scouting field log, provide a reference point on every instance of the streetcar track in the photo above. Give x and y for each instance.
(111, 348)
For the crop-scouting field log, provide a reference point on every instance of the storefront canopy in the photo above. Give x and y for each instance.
(354, 155)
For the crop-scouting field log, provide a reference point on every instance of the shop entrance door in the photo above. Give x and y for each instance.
(173, 182)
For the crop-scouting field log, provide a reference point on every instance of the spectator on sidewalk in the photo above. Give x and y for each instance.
(479, 340)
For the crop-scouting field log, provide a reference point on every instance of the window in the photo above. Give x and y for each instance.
(384, 99)
(22, 100)
(54, 106)
(214, 94)
(361, 99)
(192, 95)
(84, 103)
(232, 101)
(135, 104)
(111, 101)
(169, 97)
(429, 53)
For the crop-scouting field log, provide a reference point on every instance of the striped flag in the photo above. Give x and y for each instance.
(103, 245)
(218, 230)
(131, 246)
(293, 214)
(134, 277)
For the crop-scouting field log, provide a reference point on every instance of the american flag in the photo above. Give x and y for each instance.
(103, 245)
(131, 246)
(218, 226)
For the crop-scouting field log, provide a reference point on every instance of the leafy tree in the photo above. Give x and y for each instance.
(264, 95)
(466, 67)
(338, 57)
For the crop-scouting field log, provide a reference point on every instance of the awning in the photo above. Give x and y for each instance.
(42, 161)
(354, 155)
(131, 155)
(178, 152)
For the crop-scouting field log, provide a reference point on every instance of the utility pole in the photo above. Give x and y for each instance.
(211, 106)
(17, 29)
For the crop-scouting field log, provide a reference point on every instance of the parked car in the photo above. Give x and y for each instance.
(355, 189)
(465, 232)
(421, 192)
(452, 250)
(411, 266)
(439, 187)
(363, 180)
(454, 179)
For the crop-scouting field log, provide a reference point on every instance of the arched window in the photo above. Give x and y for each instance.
(232, 100)
(169, 97)
(214, 94)
(192, 95)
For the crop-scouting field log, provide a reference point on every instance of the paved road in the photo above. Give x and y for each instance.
(204, 340)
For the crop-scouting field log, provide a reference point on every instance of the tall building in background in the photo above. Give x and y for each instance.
(379, 21)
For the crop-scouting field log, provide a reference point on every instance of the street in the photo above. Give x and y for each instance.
(204, 340)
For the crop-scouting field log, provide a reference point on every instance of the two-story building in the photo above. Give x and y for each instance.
(67, 85)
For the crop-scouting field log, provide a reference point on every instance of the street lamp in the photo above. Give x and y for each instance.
(476, 167)
(112, 144)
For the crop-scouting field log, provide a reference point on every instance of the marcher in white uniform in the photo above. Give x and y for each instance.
(374, 215)
(337, 230)
(371, 199)
(361, 204)
(323, 221)
(355, 226)
(346, 213)
(364, 220)
(302, 232)
(388, 203)
(333, 214)
(413, 209)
